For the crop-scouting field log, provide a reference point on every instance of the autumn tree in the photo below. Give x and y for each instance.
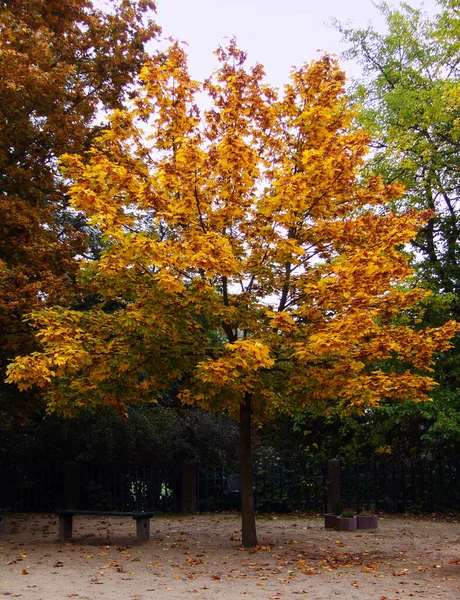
(62, 65)
(245, 260)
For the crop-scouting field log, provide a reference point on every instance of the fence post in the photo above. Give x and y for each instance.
(189, 488)
(71, 485)
(334, 503)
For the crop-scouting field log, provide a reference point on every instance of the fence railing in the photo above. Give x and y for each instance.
(277, 488)
(390, 486)
(285, 487)
(36, 488)
(132, 488)
(387, 486)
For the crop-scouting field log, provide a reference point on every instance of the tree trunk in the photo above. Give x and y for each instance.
(249, 536)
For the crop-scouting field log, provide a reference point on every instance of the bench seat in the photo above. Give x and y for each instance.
(66, 521)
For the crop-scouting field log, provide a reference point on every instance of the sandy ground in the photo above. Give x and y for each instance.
(200, 557)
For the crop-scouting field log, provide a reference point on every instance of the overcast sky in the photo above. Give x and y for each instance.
(277, 33)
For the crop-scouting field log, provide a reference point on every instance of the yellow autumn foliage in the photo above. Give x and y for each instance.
(244, 257)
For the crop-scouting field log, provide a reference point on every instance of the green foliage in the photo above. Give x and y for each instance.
(150, 435)
(410, 97)
(425, 430)
(409, 93)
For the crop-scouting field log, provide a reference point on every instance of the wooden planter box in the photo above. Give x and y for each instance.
(340, 523)
(346, 524)
(368, 522)
(330, 521)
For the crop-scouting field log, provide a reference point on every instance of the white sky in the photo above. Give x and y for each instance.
(277, 33)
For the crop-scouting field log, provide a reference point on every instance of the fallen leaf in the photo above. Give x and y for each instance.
(398, 573)
(194, 561)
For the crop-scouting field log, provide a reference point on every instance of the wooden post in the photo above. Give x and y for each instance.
(143, 529)
(71, 486)
(189, 488)
(334, 503)
(248, 513)
(65, 527)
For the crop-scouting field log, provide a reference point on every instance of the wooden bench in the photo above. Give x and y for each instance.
(66, 521)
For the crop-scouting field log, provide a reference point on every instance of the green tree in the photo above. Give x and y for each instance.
(62, 65)
(410, 92)
(410, 95)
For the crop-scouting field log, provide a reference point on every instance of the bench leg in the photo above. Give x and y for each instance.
(143, 529)
(65, 527)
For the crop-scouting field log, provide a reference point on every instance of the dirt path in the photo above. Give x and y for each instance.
(200, 557)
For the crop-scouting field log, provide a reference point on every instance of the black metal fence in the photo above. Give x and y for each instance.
(285, 487)
(42, 488)
(277, 487)
(384, 486)
(35, 487)
(144, 488)
(391, 486)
